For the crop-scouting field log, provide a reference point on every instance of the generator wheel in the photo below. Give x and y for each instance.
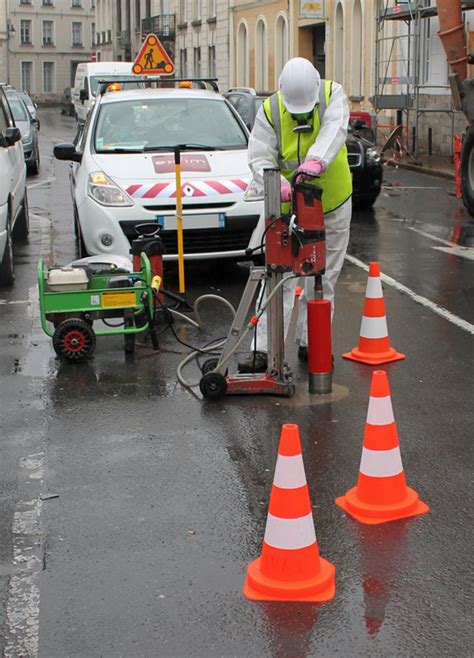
(74, 340)
(213, 386)
(467, 171)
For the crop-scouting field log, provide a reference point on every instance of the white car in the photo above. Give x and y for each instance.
(125, 173)
(14, 220)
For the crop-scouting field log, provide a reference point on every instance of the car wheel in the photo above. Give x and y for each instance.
(7, 267)
(81, 247)
(366, 203)
(35, 167)
(22, 224)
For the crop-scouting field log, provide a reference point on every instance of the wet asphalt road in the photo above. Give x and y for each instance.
(160, 499)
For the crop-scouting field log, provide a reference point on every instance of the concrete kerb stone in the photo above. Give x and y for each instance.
(438, 173)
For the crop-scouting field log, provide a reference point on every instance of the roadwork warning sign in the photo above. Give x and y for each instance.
(153, 58)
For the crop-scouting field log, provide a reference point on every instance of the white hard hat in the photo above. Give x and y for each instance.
(299, 85)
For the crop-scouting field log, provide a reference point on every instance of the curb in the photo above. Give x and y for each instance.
(438, 173)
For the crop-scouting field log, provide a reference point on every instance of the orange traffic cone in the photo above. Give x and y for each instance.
(290, 567)
(374, 344)
(381, 493)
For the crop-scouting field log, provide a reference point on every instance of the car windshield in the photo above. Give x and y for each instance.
(165, 122)
(18, 109)
(95, 79)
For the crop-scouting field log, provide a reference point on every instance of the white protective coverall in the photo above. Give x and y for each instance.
(263, 154)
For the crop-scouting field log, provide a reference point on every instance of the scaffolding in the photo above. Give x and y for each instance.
(401, 64)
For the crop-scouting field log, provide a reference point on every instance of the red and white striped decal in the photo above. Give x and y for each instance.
(188, 189)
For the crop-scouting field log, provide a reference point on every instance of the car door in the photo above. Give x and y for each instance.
(15, 164)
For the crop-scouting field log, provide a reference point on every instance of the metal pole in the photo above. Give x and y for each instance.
(276, 332)
(179, 219)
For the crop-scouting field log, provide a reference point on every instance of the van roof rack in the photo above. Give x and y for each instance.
(201, 82)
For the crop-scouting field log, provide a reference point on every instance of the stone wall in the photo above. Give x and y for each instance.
(441, 124)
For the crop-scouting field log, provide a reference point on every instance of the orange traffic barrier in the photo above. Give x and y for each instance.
(290, 567)
(381, 493)
(374, 343)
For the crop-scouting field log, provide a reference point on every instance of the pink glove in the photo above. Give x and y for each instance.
(285, 192)
(310, 169)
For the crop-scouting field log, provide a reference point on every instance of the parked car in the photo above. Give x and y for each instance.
(67, 106)
(364, 158)
(14, 220)
(29, 131)
(31, 105)
(123, 173)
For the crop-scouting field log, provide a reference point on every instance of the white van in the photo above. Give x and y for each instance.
(88, 75)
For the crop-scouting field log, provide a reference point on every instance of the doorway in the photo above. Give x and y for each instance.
(319, 48)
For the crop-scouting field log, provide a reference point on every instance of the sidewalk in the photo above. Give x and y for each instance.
(434, 165)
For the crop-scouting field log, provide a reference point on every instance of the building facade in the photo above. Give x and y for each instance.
(47, 39)
(195, 33)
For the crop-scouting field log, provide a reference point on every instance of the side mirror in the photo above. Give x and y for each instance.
(67, 152)
(37, 124)
(83, 95)
(35, 105)
(12, 135)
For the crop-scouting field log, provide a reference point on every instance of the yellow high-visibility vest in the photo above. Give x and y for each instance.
(336, 181)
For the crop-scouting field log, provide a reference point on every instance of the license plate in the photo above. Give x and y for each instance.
(118, 299)
(170, 223)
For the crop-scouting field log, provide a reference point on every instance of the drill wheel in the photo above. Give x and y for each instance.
(213, 385)
(74, 340)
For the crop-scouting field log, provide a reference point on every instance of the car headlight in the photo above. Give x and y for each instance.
(373, 155)
(106, 192)
(26, 138)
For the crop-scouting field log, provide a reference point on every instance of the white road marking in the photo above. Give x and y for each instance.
(41, 183)
(409, 187)
(22, 635)
(12, 302)
(454, 249)
(419, 299)
(462, 252)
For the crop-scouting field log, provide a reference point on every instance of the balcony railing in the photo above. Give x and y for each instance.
(163, 25)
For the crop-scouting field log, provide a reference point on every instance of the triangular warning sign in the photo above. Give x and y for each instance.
(153, 58)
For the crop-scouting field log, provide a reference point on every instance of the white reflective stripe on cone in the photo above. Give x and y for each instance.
(373, 327)
(374, 288)
(380, 411)
(381, 463)
(289, 472)
(290, 534)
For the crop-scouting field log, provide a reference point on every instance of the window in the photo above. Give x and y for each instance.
(76, 3)
(26, 76)
(196, 9)
(137, 16)
(47, 3)
(147, 8)
(261, 52)
(242, 56)
(356, 86)
(212, 8)
(25, 32)
(281, 40)
(25, 2)
(118, 7)
(212, 61)
(93, 34)
(183, 62)
(339, 45)
(48, 34)
(183, 14)
(77, 34)
(48, 77)
(197, 62)
(92, 4)
(3, 119)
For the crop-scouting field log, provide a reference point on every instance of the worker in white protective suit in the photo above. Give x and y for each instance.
(319, 154)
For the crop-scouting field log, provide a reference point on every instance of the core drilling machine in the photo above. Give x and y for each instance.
(295, 246)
